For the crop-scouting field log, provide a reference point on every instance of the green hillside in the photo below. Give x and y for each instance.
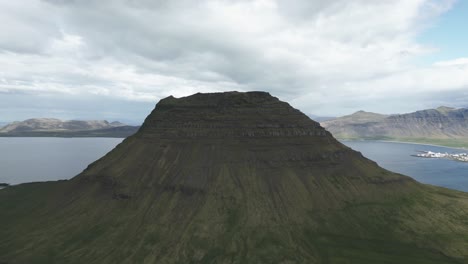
(232, 178)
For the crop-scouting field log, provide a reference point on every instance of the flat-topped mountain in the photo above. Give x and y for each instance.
(56, 127)
(443, 123)
(232, 178)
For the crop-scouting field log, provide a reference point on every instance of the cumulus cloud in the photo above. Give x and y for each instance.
(327, 57)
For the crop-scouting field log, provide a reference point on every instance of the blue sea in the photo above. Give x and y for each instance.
(34, 159)
(46, 159)
(397, 157)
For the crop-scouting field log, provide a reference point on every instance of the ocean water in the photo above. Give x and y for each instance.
(397, 157)
(48, 159)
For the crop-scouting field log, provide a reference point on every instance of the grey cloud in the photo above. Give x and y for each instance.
(26, 27)
(304, 51)
(21, 106)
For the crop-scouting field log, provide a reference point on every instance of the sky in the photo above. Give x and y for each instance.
(114, 60)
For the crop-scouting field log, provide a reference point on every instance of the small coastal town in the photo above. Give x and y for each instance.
(438, 155)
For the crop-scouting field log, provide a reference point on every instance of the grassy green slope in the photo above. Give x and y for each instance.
(240, 214)
(252, 181)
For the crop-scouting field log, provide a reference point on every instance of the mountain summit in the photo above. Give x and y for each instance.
(232, 178)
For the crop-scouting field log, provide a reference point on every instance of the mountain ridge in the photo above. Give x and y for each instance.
(232, 178)
(54, 124)
(443, 124)
(53, 127)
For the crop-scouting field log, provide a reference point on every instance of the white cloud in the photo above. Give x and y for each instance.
(327, 57)
(455, 62)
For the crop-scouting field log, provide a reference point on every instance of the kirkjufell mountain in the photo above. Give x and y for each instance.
(232, 178)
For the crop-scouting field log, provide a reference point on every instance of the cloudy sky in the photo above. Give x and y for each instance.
(86, 59)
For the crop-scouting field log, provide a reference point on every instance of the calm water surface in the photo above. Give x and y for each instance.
(397, 157)
(46, 159)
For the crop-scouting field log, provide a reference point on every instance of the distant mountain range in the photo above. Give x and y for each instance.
(52, 127)
(444, 126)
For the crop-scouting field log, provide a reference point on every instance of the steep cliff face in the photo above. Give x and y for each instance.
(228, 116)
(443, 122)
(232, 178)
(430, 123)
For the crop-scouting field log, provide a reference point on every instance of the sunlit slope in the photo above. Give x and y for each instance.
(232, 178)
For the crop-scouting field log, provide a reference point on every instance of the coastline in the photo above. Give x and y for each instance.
(404, 142)
(426, 144)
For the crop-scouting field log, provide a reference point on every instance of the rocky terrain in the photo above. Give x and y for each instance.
(51, 127)
(443, 124)
(232, 178)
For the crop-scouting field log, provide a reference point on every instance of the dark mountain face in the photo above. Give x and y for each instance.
(232, 178)
(228, 116)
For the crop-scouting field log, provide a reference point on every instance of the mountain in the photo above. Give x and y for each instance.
(321, 118)
(51, 127)
(232, 178)
(52, 124)
(443, 124)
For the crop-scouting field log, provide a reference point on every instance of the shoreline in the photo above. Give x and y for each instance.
(405, 142)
